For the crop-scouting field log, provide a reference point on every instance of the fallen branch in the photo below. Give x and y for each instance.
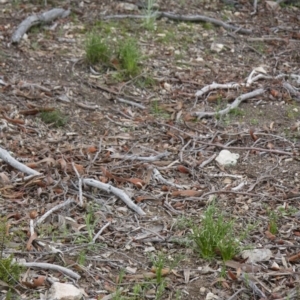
(34, 20)
(247, 148)
(16, 164)
(157, 176)
(100, 231)
(119, 193)
(201, 18)
(233, 105)
(191, 18)
(63, 270)
(214, 86)
(252, 285)
(141, 158)
(131, 103)
(53, 209)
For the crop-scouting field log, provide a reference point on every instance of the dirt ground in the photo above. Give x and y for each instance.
(111, 141)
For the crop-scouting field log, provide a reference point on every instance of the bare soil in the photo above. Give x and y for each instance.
(101, 132)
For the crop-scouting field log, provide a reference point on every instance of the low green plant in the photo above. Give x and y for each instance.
(118, 293)
(292, 111)
(129, 57)
(56, 117)
(208, 26)
(253, 121)
(236, 112)
(9, 270)
(216, 235)
(287, 211)
(157, 110)
(81, 257)
(149, 22)
(159, 262)
(96, 49)
(145, 81)
(273, 219)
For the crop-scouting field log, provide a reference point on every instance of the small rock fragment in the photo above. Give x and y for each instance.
(64, 291)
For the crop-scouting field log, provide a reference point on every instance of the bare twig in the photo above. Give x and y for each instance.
(63, 270)
(79, 184)
(34, 20)
(157, 176)
(100, 231)
(233, 105)
(236, 293)
(17, 165)
(53, 209)
(141, 158)
(131, 103)
(119, 193)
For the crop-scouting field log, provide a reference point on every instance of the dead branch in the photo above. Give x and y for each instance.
(157, 176)
(119, 193)
(208, 161)
(233, 105)
(252, 285)
(141, 158)
(191, 18)
(53, 209)
(34, 20)
(201, 18)
(100, 231)
(236, 293)
(79, 184)
(247, 148)
(214, 86)
(131, 103)
(16, 164)
(48, 266)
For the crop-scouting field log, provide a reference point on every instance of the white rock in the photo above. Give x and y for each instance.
(127, 6)
(63, 291)
(256, 255)
(226, 158)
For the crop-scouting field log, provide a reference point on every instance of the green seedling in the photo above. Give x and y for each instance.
(149, 22)
(129, 57)
(81, 257)
(293, 111)
(253, 121)
(9, 270)
(273, 219)
(56, 117)
(216, 235)
(208, 26)
(96, 49)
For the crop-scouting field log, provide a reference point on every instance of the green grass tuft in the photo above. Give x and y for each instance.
(216, 235)
(56, 117)
(129, 56)
(96, 49)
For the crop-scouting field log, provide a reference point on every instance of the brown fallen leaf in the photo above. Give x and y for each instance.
(29, 243)
(187, 193)
(164, 271)
(183, 169)
(231, 275)
(253, 136)
(269, 235)
(294, 258)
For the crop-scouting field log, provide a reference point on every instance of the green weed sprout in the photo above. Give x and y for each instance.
(56, 117)
(216, 235)
(96, 49)
(129, 56)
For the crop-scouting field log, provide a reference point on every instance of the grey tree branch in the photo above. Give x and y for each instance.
(34, 20)
(16, 164)
(118, 192)
(234, 104)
